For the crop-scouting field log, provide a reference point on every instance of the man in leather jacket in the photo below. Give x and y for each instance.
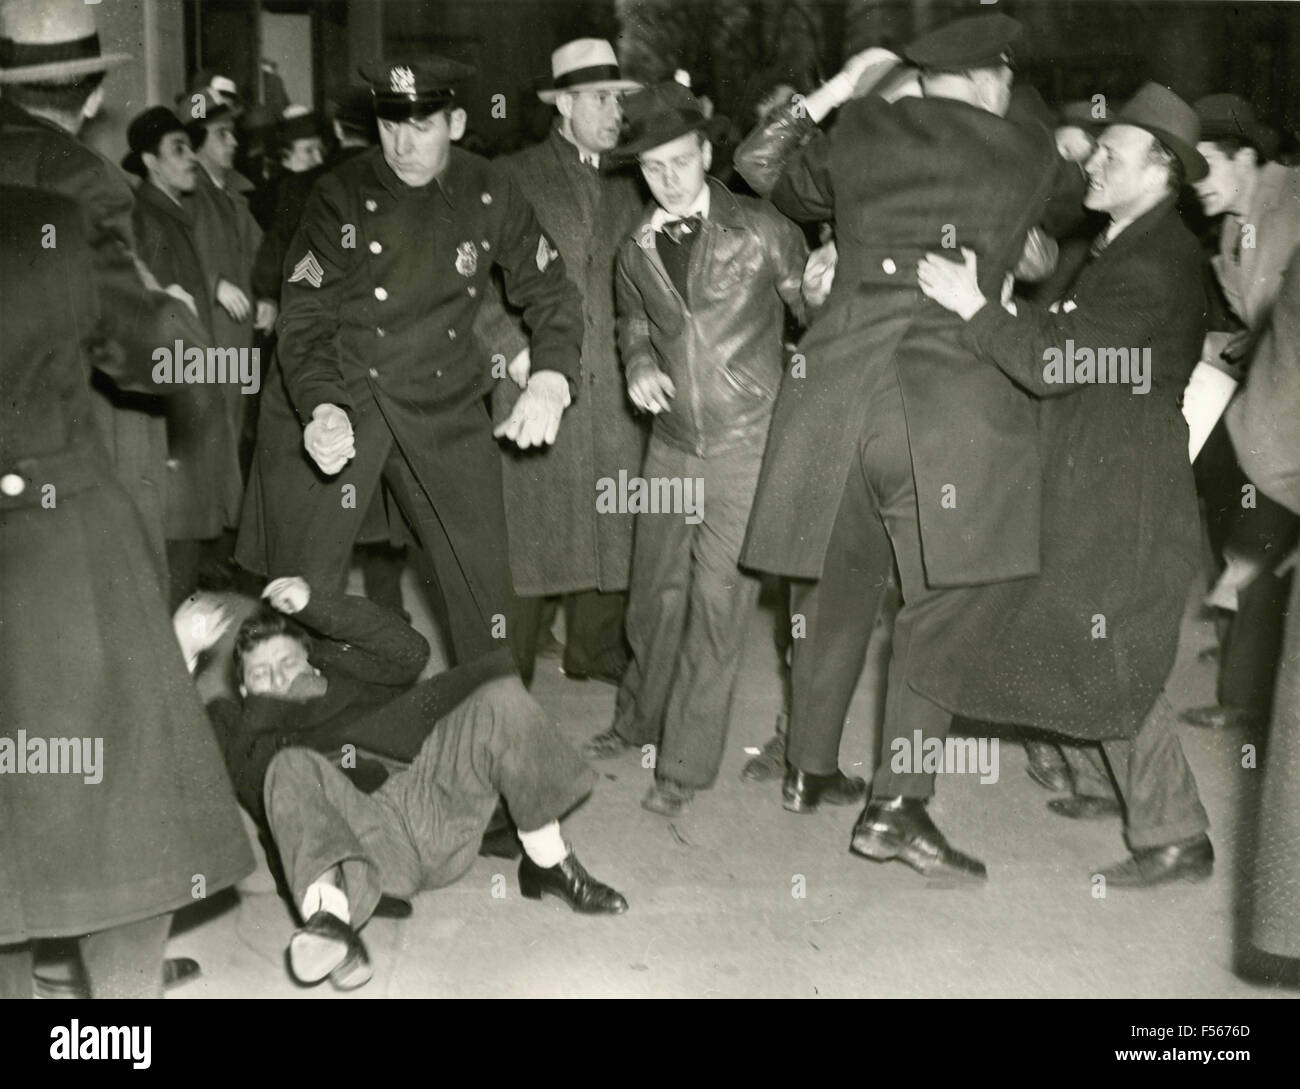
(700, 287)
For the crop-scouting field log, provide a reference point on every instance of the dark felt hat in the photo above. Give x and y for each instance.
(406, 90)
(977, 41)
(1170, 120)
(297, 123)
(144, 133)
(1231, 116)
(661, 113)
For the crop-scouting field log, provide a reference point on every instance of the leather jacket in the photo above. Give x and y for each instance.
(722, 344)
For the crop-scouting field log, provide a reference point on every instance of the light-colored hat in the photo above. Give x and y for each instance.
(587, 64)
(51, 41)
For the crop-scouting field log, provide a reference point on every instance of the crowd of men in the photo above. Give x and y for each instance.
(592, 376)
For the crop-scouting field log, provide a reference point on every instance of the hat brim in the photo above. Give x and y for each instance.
(550, 94)
(1194, 165)
(133, 163)
(57, 71)
(712, 127)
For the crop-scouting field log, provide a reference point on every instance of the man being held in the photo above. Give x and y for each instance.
(1085, 649)
(702, 285)
(341, 675)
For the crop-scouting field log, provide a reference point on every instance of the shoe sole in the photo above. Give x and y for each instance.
(881, 851)
(1193, 876)
(313, 959)
(540, 894)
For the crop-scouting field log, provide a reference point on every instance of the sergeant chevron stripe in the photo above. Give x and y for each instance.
(308, 269)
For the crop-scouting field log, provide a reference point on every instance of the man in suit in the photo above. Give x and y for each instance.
(558, 542)
(892, 442)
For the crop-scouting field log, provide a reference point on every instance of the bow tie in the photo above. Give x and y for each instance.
(678, 229)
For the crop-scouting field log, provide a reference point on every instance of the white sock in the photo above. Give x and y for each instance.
(545, 846)
(323, 896)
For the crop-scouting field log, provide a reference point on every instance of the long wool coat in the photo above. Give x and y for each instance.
(87, 650)
(1086, 647)
(203, 488)
(898, 181)
(135, 316)
(557, 541)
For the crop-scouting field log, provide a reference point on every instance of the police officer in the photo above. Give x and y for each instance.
(380, 383)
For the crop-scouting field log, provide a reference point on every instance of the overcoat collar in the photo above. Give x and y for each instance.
(150, 194)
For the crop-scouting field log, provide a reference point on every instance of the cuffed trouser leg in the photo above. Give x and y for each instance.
(127, 961)
(498, 742)
(1161, 802)
(319, 820)
(656, 608)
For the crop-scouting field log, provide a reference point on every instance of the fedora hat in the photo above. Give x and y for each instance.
(144, 133)
(661, 113)
(587, 64)
(1231, 116)
(51, 41)
(1170, 120)
(197, 108)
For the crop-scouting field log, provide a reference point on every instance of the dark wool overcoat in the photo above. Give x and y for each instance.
(204, 488)
(1086, 647)
(135, 317)
(557, 541)
(87, 650)
(898, 181)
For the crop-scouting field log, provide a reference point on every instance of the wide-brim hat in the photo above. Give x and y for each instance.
(587, 64)
(1231, 116)
(219, 86)
(143, 134)
(412, 89)
(1171, 121)
(1079, 114)
(659, 114)
(51, 41)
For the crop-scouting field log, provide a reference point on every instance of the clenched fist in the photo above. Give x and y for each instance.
(328, 438)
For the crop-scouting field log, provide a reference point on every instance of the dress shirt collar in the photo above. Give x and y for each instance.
(700, 208)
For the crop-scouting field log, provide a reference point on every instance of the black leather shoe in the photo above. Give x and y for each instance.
(1188, 860)
(803, 792)
(1085, 807)
(1047, 767)
(770, 762)
(327, 946)
(901, 828)
(572, 884)
(392, 907)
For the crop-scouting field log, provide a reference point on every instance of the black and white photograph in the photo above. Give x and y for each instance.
(641, 499)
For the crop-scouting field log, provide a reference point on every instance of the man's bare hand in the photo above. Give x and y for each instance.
(328, 438)
(233, 301)
(535, 419)
(819, 273)
(288, 594)
(651, 390)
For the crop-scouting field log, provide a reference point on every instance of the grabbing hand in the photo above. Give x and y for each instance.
(288, 594)
(819, 273)
(875, 61)
(954, 287)
(651, 390)
(535, 419)
(199, 622)
(233, 301)
(328, 438)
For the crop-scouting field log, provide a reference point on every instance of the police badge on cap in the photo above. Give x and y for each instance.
(413, 89)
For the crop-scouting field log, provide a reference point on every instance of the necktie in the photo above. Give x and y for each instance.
(678, 229)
